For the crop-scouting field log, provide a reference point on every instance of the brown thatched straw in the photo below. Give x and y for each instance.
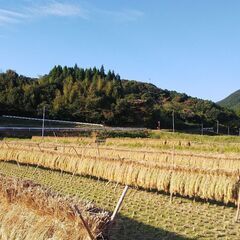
(31, 212)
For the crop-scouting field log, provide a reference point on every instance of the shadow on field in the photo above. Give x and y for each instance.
(129, 229)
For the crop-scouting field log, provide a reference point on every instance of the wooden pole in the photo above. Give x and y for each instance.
(8, 148)
(76, 152)
(39, 147)
(18, 164)
(217, 127)
(173, 155)
(6, 144)
(43, 122)
(38, 161)
(115, 187)
(35, 169)
(80, 157)
(84, 223)
(238, 207)
(119, 203)
(173, 121)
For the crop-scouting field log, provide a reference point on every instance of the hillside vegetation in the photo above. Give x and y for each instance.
(232, 102)
(92, 95)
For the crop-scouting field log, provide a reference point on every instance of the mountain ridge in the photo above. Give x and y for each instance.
(232, 101)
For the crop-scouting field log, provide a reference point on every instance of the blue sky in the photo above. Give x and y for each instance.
(191, 46)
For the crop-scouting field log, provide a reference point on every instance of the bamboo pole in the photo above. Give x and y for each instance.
(10, 148)
(115, 188)
(119, 203)
(171, 197)
(38, 163)
(6, 144)
(84, 223)
(76, 152)
(35, 169)
(18, 164)
(39, 147)
(80, 157)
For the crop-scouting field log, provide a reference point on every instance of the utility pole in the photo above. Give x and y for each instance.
(202, 128)
(43, 122)
(217, 127)
(173, 121)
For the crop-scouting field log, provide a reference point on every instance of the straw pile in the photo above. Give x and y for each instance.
(30, 212)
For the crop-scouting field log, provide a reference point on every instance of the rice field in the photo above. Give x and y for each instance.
(167, 141)
(144, 215)
(209, 176)
(179, 190)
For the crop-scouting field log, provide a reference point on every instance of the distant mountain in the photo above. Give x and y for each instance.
(92, 95)
(232, 101)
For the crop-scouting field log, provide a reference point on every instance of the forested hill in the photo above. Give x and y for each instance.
(92, 95)
(232, 102)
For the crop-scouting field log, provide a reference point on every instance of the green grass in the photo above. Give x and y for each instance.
(217, 144)
(198, 147)
(144, 215)
(193, 137)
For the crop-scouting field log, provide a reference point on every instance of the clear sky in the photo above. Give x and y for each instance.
(191, 46)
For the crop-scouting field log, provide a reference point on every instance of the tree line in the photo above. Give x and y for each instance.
(94, 95)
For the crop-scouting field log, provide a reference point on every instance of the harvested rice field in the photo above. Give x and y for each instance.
(185, 187)
(144, 215)
(209, 177)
